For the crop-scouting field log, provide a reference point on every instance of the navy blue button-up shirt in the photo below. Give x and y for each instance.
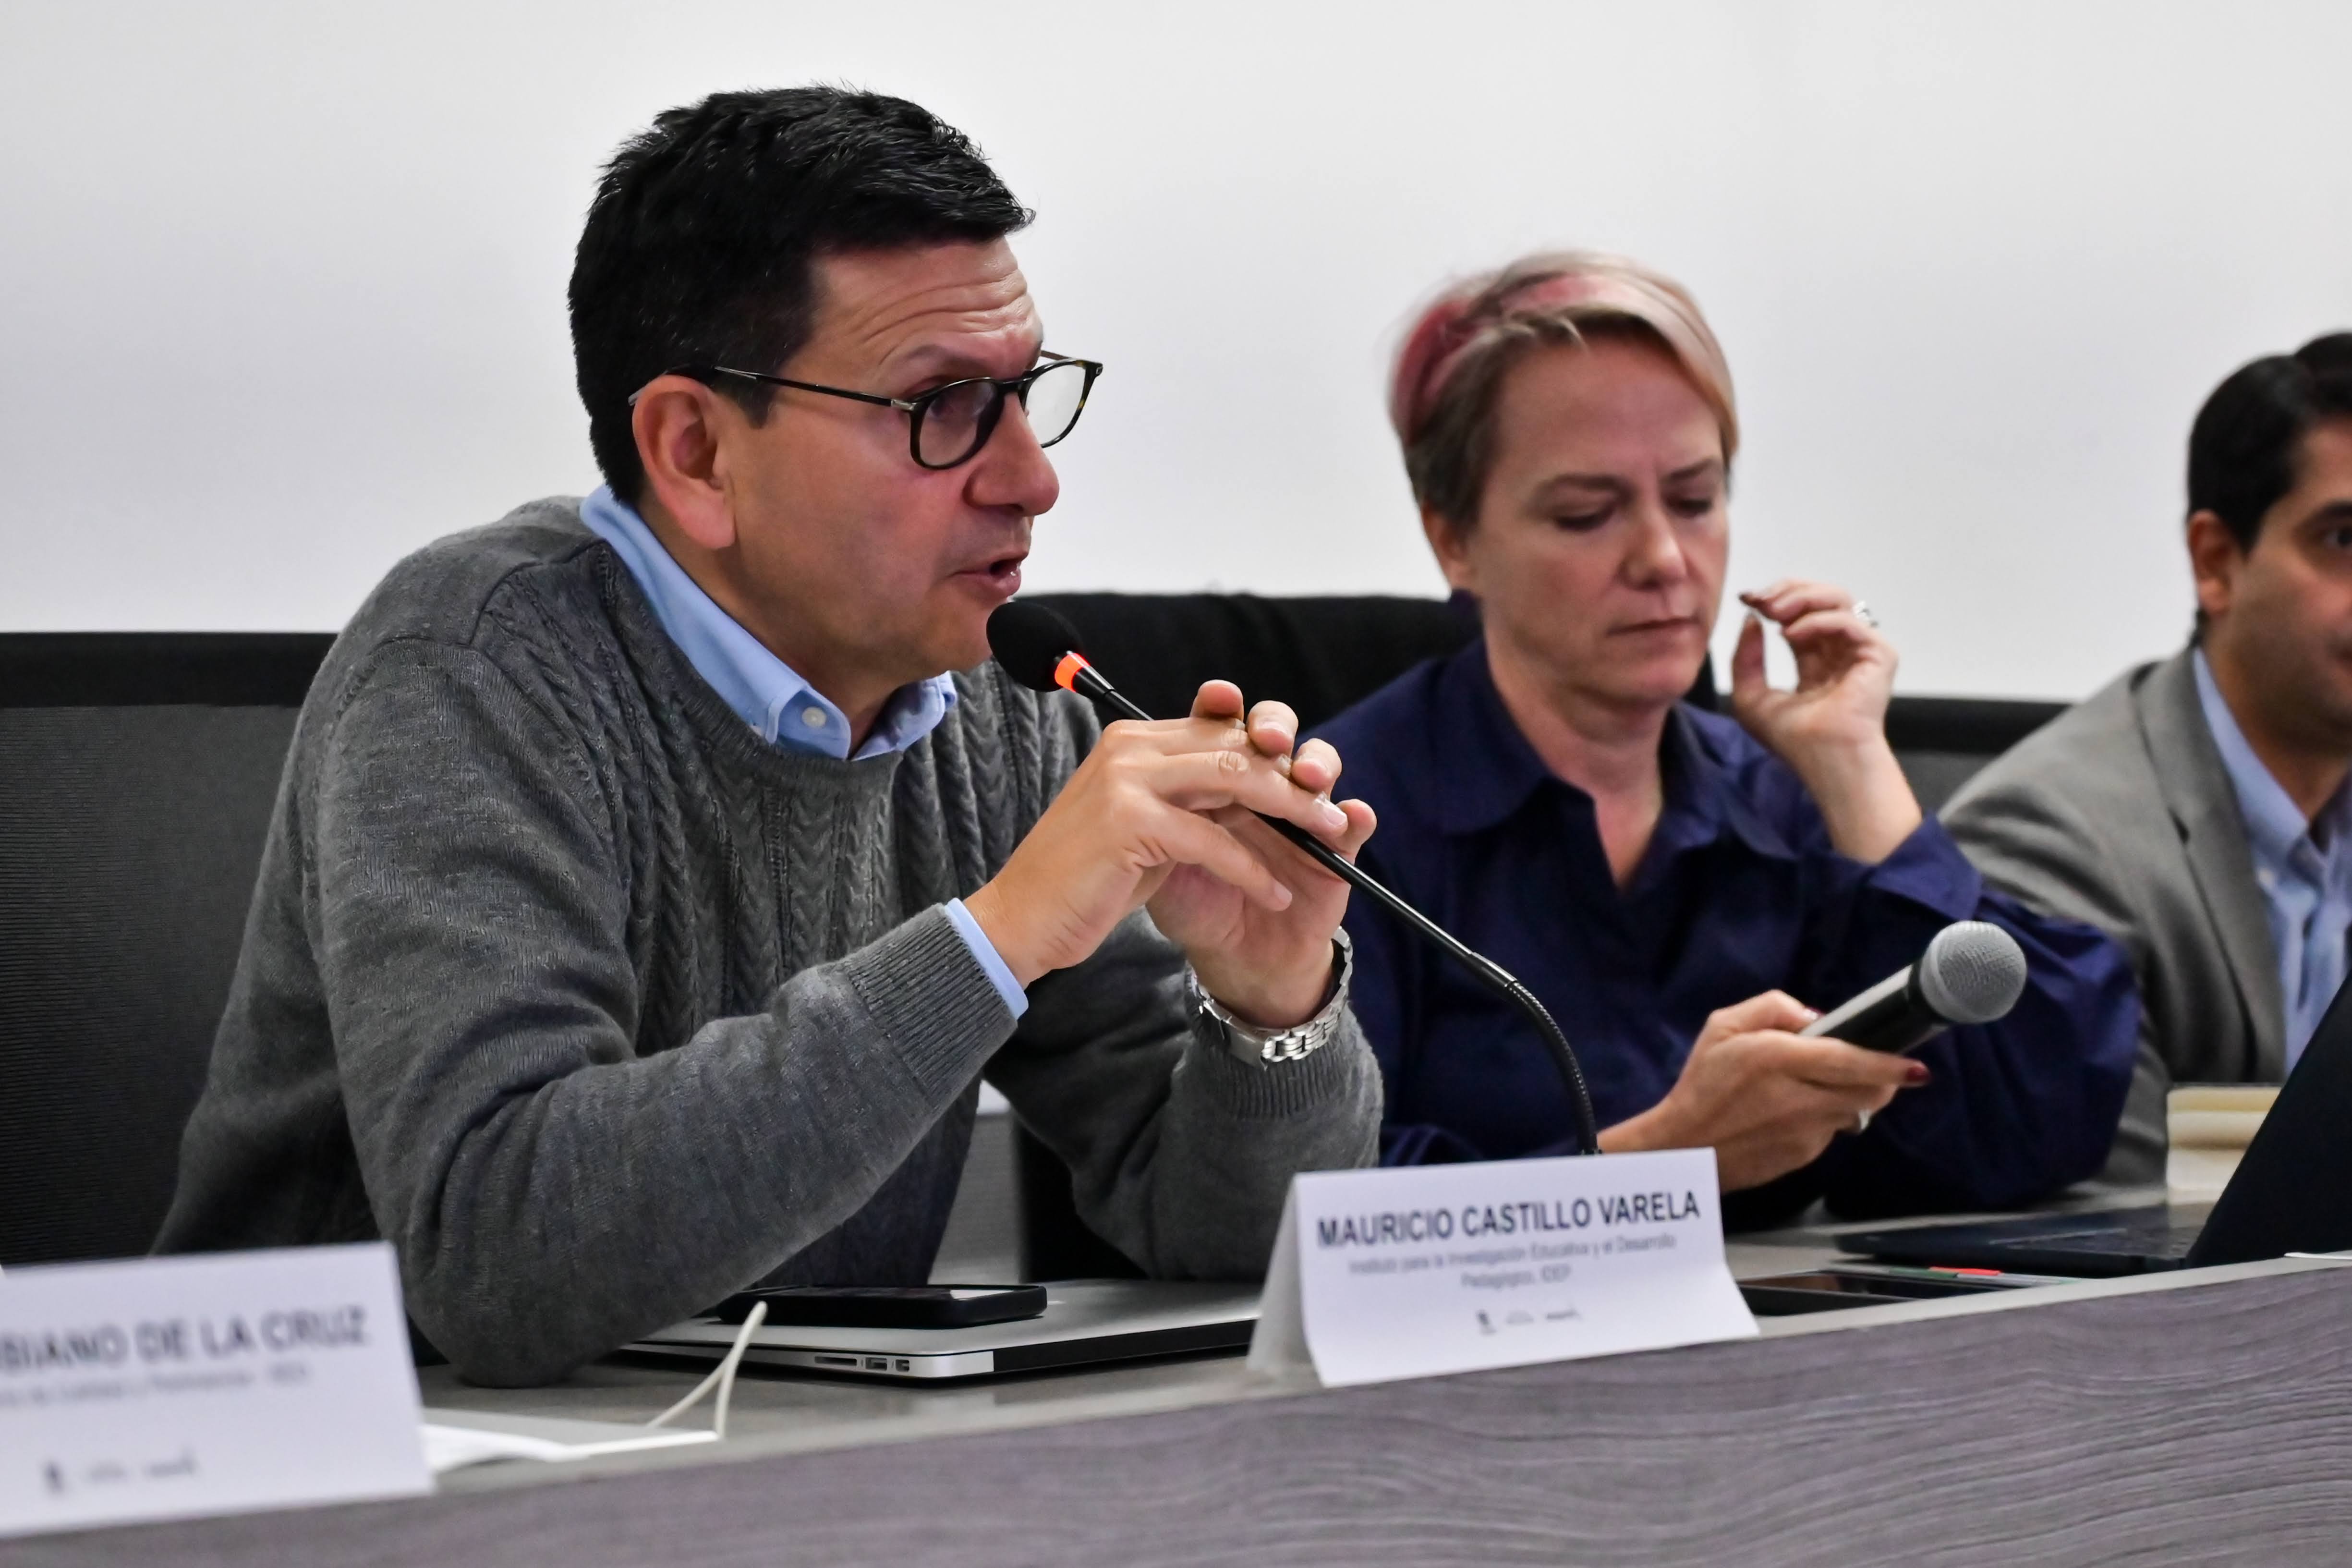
(1738, 892)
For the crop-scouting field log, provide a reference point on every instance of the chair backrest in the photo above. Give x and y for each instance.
(1941, 742)
(1319, 655)
(136, 776)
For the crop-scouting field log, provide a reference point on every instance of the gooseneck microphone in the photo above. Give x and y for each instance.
(1040, 649)
(1972, 973)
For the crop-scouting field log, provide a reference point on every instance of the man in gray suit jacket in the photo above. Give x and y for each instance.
(2197, 807)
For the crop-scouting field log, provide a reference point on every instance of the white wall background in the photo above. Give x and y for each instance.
(281, 286)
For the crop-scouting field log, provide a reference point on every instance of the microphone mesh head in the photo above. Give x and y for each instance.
(1972, 973)
(1029, 641)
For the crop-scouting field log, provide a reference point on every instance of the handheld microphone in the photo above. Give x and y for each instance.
(1039, 649)
(1972, 973)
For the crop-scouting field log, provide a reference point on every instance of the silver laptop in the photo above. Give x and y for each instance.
(1086, 1321)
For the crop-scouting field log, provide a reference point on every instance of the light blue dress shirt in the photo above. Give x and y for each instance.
(2304, 868)
(769, 695)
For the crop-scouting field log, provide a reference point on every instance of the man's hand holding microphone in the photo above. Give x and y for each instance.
(1161, 816)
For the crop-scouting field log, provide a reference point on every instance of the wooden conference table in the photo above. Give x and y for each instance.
(2197, 1416)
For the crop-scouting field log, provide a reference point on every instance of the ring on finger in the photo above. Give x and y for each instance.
(1862, 612)
(1861, 1123)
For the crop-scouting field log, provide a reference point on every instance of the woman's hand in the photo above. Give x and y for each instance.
(1830, 729)
(1163, 812)
(1765, 1098)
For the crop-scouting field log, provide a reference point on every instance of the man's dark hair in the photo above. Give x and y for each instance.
(2247, 440)
(700, 245)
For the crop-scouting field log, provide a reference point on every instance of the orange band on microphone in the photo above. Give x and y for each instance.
(1066, 674)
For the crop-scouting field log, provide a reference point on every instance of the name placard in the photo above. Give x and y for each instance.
(1420, 1270)
(168, 1387)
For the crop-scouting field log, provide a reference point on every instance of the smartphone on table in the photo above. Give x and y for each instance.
(888, 1306)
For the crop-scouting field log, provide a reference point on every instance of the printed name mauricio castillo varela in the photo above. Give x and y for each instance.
(1389, 1226)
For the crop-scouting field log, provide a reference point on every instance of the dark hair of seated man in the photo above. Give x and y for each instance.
(700, 245)
(2246, 443)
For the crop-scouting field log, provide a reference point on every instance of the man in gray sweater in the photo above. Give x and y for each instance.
(644, 900)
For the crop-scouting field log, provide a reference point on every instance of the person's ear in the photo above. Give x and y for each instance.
(2216, 560)
(1451, 544)
(678, 424)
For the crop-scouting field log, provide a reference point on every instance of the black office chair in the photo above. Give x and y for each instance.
(1942, 741)
(137, 773)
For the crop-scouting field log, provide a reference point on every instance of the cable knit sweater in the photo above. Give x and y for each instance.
(598, 1007)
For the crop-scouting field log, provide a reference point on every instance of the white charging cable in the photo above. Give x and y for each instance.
(722, 1377)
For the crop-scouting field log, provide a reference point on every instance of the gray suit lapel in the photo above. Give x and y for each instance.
(2205, 807)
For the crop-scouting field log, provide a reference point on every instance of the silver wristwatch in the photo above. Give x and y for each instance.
(1266, 1046)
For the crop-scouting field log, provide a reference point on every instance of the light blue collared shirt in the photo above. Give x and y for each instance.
(2304, 868)
(769, 695)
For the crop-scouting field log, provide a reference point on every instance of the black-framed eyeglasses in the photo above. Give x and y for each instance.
(949, 425)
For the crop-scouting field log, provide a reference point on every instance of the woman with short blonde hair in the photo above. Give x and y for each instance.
(1684, 890)
(1442, 390)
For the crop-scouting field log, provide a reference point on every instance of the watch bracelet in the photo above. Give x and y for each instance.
(1268, 1047)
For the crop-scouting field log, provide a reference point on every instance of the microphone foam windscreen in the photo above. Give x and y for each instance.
(1972, 973)
(1029, 641)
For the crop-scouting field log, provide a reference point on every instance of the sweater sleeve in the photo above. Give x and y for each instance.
(551, 1194)
(2017, 1108)
(1180, 1154)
